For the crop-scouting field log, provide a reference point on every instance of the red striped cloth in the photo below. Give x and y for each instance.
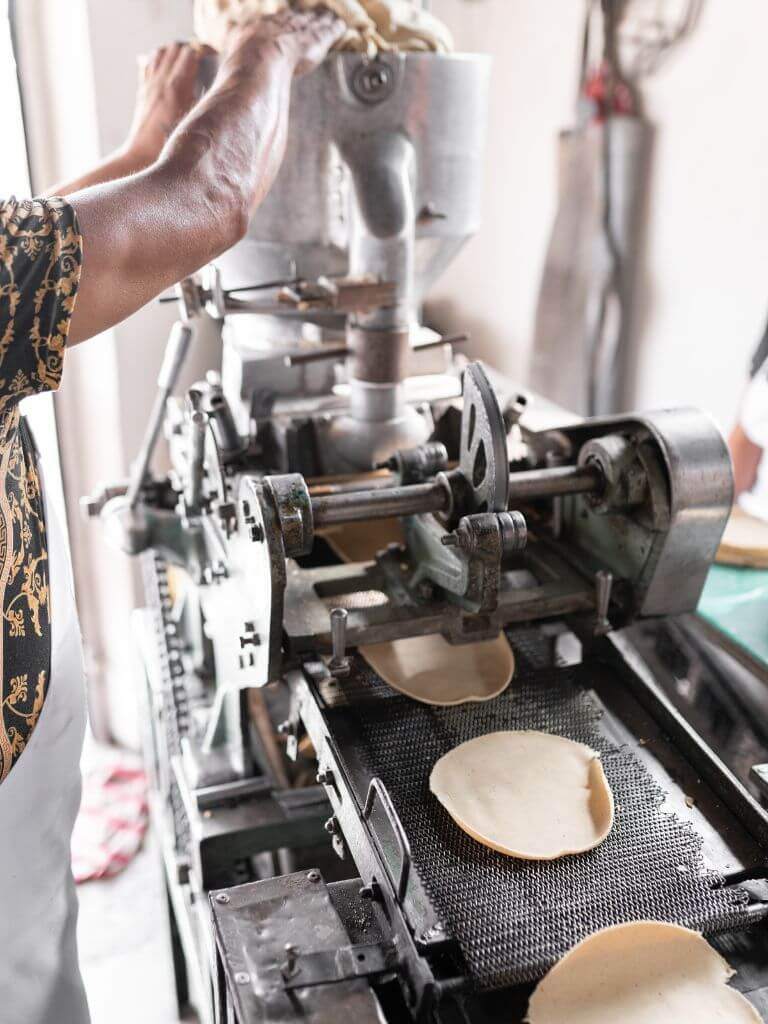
(113, 817)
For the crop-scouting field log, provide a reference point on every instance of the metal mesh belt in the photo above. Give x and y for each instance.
(513, 919)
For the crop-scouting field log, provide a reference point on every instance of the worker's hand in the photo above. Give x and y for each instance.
(167, 81)
(304, 38)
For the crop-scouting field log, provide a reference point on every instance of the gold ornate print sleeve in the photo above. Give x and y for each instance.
(40, 259)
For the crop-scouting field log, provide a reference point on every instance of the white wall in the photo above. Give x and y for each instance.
(707, 241)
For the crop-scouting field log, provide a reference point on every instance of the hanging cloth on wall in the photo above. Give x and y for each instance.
(581, 344)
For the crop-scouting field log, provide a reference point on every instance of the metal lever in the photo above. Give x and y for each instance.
(339, 352)
(173, 360)
(603, 588)
(339, 663)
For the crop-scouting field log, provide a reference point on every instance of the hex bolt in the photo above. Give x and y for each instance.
(331, 826)
(325, 778)
(221, 897)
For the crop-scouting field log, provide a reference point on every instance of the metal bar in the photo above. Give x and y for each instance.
(318, 355)
(419, 499)
(175, 354)
(530, 485)
(390, 502)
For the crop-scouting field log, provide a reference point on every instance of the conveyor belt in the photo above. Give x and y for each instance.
(513, 919)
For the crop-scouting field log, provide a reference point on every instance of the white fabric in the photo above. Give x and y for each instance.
(40, 980)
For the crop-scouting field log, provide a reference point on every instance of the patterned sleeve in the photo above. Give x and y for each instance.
(40, 261)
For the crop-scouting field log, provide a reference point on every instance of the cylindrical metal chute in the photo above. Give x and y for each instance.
(382, 178)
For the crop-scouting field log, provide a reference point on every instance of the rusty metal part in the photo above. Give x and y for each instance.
(385, 503)
(435, 496)
(470, 536)
(415, 465)
(295, 512)
(378, 355)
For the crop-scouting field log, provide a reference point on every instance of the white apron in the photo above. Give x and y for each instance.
(39, 975)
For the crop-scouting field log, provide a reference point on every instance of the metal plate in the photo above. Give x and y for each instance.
(257, 926)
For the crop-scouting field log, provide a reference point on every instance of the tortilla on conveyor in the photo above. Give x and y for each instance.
(430, 670)
(644, 972)
(526, 794)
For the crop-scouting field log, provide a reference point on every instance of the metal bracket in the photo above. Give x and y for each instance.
(329, 967)
(378, 789)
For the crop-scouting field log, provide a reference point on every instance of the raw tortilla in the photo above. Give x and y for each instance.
(745, 541)
(527, 794)
(429, 669)
(373, 25)
(640, 973)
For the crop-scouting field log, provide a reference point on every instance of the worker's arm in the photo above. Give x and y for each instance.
(143, 233)
(166, 93)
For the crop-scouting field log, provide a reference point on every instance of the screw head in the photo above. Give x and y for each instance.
(222, 897)
(373, 81)
(242, 978)
(313, 875)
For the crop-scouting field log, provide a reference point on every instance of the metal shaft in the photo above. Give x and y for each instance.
(419, 499)
(389, 502)
(534, 484)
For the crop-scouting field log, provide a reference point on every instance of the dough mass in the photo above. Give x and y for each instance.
(372, 25)
(644, 972)
(526, 794)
